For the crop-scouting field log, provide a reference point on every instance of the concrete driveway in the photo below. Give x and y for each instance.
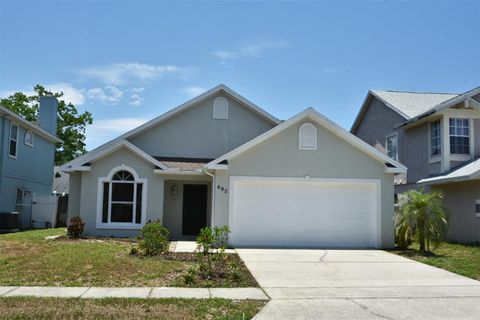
(358, 284)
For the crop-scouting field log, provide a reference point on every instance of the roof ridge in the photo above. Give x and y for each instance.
(417, 92)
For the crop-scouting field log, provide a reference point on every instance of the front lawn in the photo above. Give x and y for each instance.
(458, 258)
(26, 258)
(76, 308)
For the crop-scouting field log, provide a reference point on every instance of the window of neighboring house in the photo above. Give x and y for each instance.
(477, 208)
(12, 147)
(391, 146)
(23, 197)
(307, 137)
(435, 138)
(123, 199)
(459, 136)
(29, 138)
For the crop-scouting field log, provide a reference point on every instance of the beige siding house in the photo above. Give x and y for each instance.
(221, 160)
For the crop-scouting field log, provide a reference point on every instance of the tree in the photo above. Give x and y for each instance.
(70, 124)
(422, 215)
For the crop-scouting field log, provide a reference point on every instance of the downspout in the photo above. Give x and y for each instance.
(213, 195)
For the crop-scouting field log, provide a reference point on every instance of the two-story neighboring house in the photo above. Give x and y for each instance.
(437, 137)
(219, 159)
(27, 154)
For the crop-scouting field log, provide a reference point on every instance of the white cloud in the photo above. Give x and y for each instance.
(136, 100)
(140, 89)
(104, 130)
(249, 49)
(122, 73)
(71, 94)
(193, 91)
(108, 95)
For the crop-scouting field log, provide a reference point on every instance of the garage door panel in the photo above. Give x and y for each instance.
(285, 213)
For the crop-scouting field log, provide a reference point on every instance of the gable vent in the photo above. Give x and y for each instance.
(220, 108)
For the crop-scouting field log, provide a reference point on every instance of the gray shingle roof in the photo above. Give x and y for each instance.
(412, 104)
(465, 172)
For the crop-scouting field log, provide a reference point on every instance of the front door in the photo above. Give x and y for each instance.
(194, 208)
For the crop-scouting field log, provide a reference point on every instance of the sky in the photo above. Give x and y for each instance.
(128, 62)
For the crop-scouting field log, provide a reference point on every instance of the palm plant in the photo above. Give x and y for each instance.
(422, 215)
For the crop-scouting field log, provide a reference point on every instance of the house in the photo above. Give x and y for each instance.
(27, 155)
(219, 159)
(437, 136)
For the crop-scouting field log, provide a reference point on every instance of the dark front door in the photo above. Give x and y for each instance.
(194, 208)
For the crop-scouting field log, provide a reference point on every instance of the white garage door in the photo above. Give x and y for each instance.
(303, 213)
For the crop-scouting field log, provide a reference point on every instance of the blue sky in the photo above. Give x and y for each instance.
(127, 62)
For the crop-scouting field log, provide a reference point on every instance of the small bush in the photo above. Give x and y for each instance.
(75, 227)
(153, 239)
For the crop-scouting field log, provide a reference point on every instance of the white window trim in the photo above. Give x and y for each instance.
(461, 156)
(396, 141)
(16, 140)
(438, 157)
(477, 213)
(120, 225)
(25, 138)
(300, 136)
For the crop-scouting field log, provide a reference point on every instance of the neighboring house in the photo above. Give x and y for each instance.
(220, 160)
(27, 155)
(437, 137)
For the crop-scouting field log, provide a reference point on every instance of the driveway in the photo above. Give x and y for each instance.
(358, 284)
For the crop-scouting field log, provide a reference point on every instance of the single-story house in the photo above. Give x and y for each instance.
(219, 159)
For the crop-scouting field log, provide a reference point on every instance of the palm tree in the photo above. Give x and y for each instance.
(423, 215)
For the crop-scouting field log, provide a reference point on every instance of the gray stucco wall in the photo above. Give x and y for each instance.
(173, 208)
(194, 132)
(74, 194)
(101, 168)
(31, 170)
(460, 198)
(279, 156)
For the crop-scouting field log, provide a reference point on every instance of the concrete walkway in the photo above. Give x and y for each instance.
(140, 292)
(358, 284)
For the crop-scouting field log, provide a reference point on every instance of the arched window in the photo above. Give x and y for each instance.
(220, 108)
(29, 138)
(122, 199)
(307, 137)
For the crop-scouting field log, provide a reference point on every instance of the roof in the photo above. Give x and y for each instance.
(98, 154)
(412, 104)
(220, 88)
(184, 164)
(394, 167)
(29, 125)
(465, 172)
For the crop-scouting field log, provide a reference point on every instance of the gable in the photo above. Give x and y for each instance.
(280, 155)
(391, 166)
(197, 133)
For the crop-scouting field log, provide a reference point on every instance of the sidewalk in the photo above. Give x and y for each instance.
(139, 292)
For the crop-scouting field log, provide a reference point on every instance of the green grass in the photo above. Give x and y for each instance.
(26, 258)
(458, 258)
(75, 308)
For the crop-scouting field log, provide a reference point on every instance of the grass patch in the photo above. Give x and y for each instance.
(458, 258)
(26, 258)
(115, 308)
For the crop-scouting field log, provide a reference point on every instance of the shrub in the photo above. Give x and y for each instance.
(75, 227)
(211, 257)
(153, 239)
